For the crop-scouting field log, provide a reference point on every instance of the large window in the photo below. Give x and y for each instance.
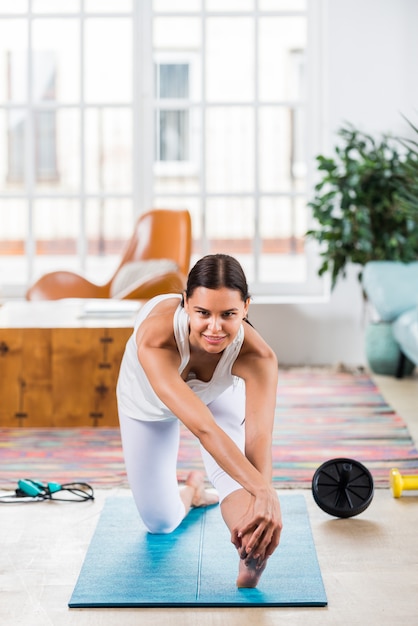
(109, 107)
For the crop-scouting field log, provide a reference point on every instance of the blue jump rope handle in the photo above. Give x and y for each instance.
(31, 488)
(54, 487)
(34, 488)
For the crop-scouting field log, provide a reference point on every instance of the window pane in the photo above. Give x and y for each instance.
(45, 158)
(55, 60)
(173, 139)
(283, 5)
(172, 126)
(281, 149)
(230, 59)
(229, 5)
(14, 227)
(109, 225)
(230, 224)
(56, 224)
(178, 7)
(12, 149)
(17, 6)
(52, 6)
(282, 225)
(178, 176)
(103, 6)
(230, 149)
(281, 60)
(172, 80)
(172, 177)
(230, 229)
(13, 60)
(104, 80)
(13, 232)
(177, 33)
(57, 150)
(282, 268)
(108, 149)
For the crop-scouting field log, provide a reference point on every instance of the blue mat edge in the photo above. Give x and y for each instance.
(246, 599)
(198, 605)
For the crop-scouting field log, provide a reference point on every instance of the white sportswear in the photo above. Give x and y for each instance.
(150, 432)
(136, 397)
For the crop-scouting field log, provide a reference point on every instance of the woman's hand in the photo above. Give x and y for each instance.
(257, 534)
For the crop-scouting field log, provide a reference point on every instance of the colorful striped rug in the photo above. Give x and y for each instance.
(320, 415)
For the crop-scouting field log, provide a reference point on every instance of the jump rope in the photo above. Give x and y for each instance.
(35, 491)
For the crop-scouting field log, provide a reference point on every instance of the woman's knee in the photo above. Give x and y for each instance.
(162, 522)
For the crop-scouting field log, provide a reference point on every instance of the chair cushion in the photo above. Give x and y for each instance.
(391, 287)
(140, 271)
(405, 330)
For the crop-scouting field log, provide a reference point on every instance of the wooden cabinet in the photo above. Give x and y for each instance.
(60, 377)
(25, 377)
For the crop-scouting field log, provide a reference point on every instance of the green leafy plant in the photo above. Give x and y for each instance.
(366, 203)
(408, 195)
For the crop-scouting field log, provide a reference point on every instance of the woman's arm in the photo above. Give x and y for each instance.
(193, 413)
(159, 357)
(258, 366)
(261, 389)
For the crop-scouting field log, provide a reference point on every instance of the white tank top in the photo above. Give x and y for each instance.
(136, 397)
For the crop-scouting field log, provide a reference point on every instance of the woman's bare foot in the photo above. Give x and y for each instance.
(201, 496)
(249, 574)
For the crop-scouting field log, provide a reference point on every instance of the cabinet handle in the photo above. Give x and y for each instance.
(4, 348)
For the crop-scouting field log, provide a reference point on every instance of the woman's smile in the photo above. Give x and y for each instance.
(214, 340)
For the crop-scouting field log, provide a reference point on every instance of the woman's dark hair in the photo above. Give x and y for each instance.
(214, 271)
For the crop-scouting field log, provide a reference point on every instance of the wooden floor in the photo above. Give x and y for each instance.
(369, 563)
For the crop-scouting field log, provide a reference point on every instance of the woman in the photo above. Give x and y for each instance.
(192, 360)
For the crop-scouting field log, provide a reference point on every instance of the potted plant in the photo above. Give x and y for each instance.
(365, 205)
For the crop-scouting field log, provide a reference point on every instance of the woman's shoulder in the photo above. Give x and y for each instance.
(160, 306)
(254, 347)
(157, 327)
(255, 362)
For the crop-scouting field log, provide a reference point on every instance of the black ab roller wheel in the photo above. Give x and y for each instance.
(342, 487)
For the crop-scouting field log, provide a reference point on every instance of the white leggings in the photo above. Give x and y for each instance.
(151, 448)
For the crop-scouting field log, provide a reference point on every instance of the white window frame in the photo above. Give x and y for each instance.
(314, 288)
(143, 167)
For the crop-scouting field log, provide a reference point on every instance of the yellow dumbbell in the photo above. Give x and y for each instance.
(400, 483)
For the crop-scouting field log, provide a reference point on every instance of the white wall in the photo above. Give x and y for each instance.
(316, 333)
(369, 68)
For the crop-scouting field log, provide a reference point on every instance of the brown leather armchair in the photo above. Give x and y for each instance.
(156, 260)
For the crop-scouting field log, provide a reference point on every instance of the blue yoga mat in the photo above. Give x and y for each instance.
(196, 565)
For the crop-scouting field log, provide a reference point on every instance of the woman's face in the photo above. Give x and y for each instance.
(215, 317)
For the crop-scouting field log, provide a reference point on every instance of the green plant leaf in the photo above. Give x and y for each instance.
(365, 205)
